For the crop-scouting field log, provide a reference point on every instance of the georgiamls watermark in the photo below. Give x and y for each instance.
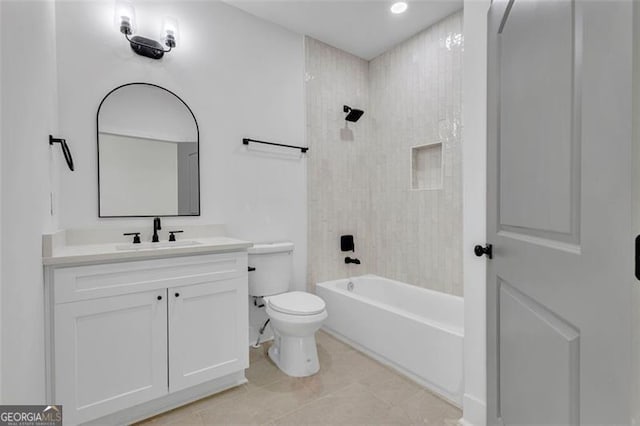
(30, 415)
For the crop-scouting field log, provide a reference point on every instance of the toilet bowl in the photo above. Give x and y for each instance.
(294, 316)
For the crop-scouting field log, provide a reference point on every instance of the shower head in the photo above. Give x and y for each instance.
(352, 114)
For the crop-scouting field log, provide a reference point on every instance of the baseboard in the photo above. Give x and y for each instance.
(474, 411)
(382, 360)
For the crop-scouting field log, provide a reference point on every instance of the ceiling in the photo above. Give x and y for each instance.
(365, 28)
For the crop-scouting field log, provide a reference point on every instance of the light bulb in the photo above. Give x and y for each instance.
(125, 17)
(170, 32)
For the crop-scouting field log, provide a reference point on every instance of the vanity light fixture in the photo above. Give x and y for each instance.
(125, 20)
(399, 7)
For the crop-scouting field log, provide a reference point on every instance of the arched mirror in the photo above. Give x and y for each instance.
(148, 154)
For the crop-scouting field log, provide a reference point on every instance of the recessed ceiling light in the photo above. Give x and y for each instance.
(399, 7)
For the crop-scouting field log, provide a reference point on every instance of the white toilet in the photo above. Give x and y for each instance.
(295, 316)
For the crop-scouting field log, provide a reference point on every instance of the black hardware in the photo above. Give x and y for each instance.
(346, 243)
(147, 47)
(177, 294)
(348, 260)
(353, 114)
(65, 150)
(159, 297)
(251, 269)
(638, 257)
(481, 251)
(255, 302)
(172, 237)
(303, 149)
(100, 214)
(157, 226)
(136, 236)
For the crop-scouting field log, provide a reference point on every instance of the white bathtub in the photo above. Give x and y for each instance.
(416, 331)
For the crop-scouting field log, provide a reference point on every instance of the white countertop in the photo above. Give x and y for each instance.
(56, 251)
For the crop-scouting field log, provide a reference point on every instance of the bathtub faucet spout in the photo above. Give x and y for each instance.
(348, 260)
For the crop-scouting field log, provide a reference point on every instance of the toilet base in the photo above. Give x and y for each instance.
(295, 356)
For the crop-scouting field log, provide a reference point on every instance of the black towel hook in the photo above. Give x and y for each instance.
(65, 150)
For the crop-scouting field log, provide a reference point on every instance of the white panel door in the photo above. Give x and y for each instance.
(559, 212)
(110, 354)
(208, 327)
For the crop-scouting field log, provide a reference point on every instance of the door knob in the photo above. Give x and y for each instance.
(481, 251)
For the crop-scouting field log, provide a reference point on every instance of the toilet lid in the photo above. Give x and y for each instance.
(297, 303)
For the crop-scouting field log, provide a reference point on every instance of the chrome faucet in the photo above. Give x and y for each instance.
(156, 227)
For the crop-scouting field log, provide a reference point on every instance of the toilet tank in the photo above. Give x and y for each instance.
(274, 265)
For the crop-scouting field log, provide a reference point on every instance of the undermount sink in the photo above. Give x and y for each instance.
(162, 244)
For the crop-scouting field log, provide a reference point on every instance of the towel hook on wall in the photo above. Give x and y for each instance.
(65, 150)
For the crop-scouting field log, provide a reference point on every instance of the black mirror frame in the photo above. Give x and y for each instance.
(98, 150)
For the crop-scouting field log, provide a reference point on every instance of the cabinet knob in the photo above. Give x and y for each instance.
(159, 297)
(177, 294)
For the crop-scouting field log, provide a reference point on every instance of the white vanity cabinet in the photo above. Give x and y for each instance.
(207, 338)
(110, 353)
(159, 332)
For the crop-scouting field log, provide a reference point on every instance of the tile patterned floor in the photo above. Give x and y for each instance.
(349, 389)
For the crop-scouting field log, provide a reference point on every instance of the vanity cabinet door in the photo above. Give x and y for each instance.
(110, 353)
(208, 331)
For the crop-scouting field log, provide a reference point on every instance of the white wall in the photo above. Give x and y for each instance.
(29, 171)
(474, 207)
(241, 76)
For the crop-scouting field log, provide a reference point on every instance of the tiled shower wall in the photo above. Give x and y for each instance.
(415, 99)
(338, 159)
(412, 96)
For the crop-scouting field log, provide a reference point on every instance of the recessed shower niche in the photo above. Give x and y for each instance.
(426, 166)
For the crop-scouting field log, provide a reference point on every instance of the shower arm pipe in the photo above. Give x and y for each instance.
(303, 149)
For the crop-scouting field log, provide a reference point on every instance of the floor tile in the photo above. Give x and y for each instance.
(427, 408)
(350, 388)
(389, 386)
(351, 405)
(263, 372)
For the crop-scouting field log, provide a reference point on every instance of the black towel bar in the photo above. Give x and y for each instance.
(303, 149)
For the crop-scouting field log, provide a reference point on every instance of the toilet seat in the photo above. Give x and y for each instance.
(296, 303)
